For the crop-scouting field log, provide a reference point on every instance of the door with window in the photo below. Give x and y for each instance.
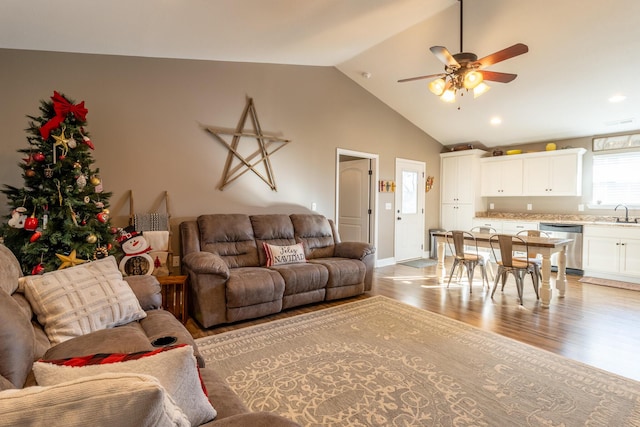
(409, 201)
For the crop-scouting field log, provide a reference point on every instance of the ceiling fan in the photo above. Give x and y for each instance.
(465, 71)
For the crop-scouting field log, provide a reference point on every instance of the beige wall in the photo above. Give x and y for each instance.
(145, 115)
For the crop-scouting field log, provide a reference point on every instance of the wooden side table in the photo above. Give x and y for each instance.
(174, 295)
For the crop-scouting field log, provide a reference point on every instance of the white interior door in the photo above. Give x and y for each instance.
(409, 200)
(354, 218)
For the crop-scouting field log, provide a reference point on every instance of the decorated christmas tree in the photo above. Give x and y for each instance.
(60, 217)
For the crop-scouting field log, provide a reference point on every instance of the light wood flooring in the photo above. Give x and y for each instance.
(594, 324)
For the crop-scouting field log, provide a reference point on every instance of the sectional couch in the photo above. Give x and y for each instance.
(247, 266)
(47, 378)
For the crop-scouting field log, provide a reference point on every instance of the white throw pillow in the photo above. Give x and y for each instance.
(82, 299)
(101, 401)
(175, 368)
(278, 255)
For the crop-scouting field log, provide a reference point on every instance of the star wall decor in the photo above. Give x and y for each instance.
(257, 161)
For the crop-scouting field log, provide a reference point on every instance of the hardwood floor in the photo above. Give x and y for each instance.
(597, 325)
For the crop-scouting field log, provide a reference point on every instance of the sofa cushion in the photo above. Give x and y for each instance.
(254, 285)
(342, 271)
(301, 278)
(105, 400)
(279, 255)
(276, 229)
(174, 367)
(82, 299)
(315, 232)
(231, 237)
(17, 341)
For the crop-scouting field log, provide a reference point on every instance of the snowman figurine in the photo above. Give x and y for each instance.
(136, 260)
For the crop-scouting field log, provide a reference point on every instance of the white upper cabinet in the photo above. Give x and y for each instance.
(501, 176)
(554, 173)
(547, 173)
(460, 192)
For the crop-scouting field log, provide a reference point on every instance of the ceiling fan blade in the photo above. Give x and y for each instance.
(498, 77)
(502, 55)
(410, 79)
(444, 56)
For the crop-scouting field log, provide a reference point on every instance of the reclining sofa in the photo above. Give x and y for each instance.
(247, 266)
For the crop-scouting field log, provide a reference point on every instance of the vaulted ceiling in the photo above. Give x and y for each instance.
(580, 52)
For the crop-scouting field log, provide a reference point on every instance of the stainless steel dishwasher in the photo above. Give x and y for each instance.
(574, 250)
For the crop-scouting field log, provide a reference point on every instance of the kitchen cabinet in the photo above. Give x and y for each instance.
(612, 252)
(460, 191)
(501, 176)
(553, 173)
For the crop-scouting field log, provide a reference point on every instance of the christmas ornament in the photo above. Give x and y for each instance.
(100, 205)
(103, 217)
(70, 260)
(92, 238)
(86, 139)
(72, 143)
(38, 269)
(61, 141)
(35, 236)
(81, 182)
(18, 217)
(31, 223)
(45, 217)
(48, 172)
(106, 211)
(62, 107)
(30, 173)
(77, 165)
(38, 157)
(95, 180)
(100, 252)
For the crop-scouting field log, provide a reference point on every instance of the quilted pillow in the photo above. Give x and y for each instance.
(278, 255)
(100, 401)
(175, 368)
(82, 299)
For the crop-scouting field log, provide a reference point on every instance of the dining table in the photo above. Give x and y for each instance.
(545, 246)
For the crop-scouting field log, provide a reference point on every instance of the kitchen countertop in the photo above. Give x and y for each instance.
(556, 218)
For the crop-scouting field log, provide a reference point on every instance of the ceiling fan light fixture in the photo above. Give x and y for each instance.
(472, 79)
(449, 95)
(480, 89)
(437, 86)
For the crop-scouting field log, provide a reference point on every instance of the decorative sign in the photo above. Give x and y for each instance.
(616, 142)
(267, 145)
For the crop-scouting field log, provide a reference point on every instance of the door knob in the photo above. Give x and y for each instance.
(399, 218)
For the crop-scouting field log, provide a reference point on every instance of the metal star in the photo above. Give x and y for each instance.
(245, 165)
(69, 260)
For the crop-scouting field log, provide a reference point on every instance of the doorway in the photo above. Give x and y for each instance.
(409, 201)
(356, 198)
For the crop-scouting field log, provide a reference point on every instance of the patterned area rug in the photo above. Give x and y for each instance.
(379, 362)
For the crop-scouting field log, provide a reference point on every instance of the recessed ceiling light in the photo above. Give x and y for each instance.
(617, 98)
(496, 121)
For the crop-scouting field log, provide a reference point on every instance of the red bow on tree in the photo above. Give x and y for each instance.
(62, 107)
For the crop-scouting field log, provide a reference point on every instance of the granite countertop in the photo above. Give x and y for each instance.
(557, 218)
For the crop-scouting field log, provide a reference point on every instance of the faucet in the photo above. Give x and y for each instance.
(626, 214)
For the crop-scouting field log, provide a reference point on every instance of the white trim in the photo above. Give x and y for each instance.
(385, 262)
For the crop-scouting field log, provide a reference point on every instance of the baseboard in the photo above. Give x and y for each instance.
(385, 262)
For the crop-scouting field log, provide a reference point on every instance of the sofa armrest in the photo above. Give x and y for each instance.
(356, 250)
(205, 263)
(147, 290)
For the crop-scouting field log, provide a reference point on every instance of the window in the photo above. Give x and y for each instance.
(616, 179)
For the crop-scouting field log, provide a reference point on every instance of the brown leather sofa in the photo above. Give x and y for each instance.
(224, 256)
(23, 341)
